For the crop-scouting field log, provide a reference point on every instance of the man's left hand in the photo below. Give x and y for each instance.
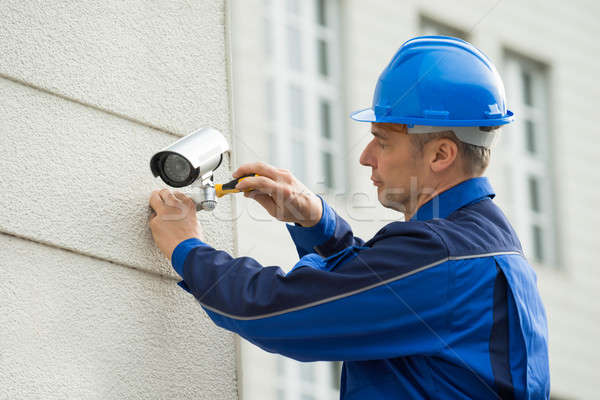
(173, 220)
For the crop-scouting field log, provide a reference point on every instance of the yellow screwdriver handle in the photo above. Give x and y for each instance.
(222, 189)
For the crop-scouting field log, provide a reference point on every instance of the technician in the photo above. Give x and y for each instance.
(442, 306)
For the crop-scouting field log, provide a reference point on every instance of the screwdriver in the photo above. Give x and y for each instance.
(221, 189)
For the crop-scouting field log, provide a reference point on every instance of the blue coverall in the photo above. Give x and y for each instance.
(444, 306)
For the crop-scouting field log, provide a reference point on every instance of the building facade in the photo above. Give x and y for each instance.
(301, 67)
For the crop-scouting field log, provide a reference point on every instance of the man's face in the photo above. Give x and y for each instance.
(395, 168)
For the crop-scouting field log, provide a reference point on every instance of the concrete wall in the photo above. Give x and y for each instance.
(563, 36)
(90, 309)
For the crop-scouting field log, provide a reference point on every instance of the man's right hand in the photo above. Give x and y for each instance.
(280, 193)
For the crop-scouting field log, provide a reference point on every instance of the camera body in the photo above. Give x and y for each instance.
(192, 160)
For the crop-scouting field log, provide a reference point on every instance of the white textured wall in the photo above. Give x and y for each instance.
(561, 34)
(75, 327)
(90, 309)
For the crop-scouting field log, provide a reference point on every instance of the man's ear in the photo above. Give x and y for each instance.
(443, 154)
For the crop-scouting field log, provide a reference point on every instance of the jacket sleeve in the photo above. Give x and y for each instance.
(382, 300)
(329, 236)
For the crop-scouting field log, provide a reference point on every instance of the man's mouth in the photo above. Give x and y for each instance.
(376, 182)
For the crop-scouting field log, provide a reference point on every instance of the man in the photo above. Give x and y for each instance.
(443, 305)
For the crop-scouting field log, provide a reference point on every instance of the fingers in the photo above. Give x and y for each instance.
(259, 168)
(167, 197)
(151, 216)
(156, 202)
(159, 199)
(182, 197)
(260, 183)
(264, 200)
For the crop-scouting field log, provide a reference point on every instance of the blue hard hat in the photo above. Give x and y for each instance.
(438, 81)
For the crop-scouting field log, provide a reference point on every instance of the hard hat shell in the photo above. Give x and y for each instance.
(438, 81)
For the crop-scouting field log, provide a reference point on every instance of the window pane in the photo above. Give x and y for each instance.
(307, 372)
(322, 12)
(531, 172)
(323, 58)
(527, 88)
(294, 48)
(270, 99)
(530, 136)
(268, 38)
(538, 243)
(280, 366)
(534, 193)
(325, 119)
(296, 104)
(328, 169)
(298, 159)
(273, 159)
(433, 27)
(293, 7)
(336, 373)
(280, 394)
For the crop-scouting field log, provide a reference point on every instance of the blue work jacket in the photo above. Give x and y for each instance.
(444, 306)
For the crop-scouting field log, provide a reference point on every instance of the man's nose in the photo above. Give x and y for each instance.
(366, 158)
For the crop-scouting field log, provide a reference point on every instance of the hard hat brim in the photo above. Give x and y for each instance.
(368, 115)
(364, 115)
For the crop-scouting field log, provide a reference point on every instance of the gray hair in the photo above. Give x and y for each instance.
(475, 158)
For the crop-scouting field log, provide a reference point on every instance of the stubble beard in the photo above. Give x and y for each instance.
(400, 199)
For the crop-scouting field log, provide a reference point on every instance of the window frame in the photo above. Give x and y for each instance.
(433, 27)
(520, 164)
(315, 87)
(292, 384)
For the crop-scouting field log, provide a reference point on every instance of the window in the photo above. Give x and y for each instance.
(322, 12)
(301, 380)
(336, 373)
(323, 58)
(429, 26)
(307, 372)
(301, 45)
(294, 48)
(526, 148)
(304, 129)
(296, 107)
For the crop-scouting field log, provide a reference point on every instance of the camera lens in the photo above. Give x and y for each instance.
(176, 168)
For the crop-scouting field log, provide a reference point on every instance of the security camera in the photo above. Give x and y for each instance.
(193, 160)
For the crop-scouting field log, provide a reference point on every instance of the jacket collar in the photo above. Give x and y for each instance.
(465, 193)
